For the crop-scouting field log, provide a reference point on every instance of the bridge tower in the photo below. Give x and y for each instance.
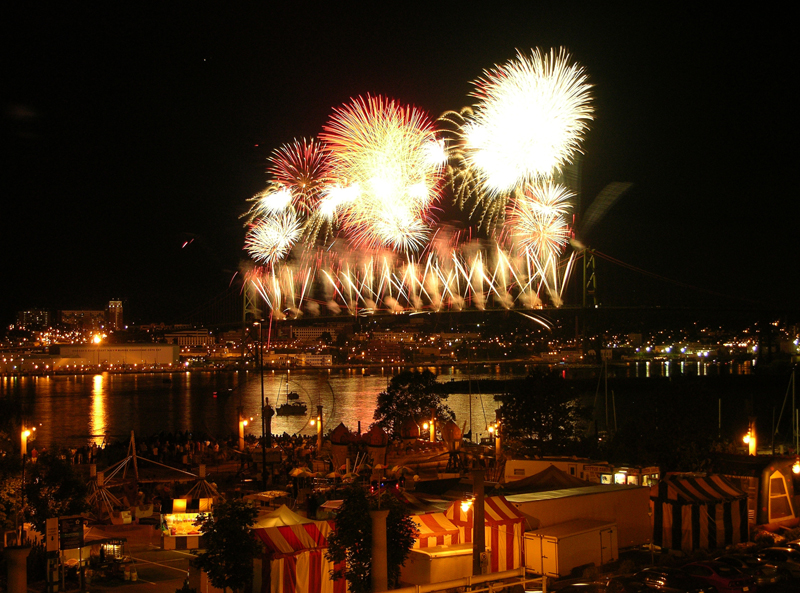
(589, 279)
(250, 311)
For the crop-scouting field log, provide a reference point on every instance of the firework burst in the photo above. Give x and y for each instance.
(271, 238)
(301, 168)
(537, 222)
(391, 156)
(532, 114)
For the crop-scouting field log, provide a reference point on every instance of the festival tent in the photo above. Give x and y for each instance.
(504, 525)
(550, 478)
(691, 513)
(294, 560)
(434, 530)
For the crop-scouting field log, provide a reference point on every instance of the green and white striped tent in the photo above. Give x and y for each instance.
(691, 513)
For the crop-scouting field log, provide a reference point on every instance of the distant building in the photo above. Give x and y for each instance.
(312, 334)
(190, 338)
(88, 320)
(34, 319)
(114, 315)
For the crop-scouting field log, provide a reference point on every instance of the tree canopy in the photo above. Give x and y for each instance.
(53, 489)
(351, 541)
(411, 394)
(544, 410)
(231, 546)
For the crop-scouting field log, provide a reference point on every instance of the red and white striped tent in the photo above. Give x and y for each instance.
(294, 559)
(434, 530)
(504, 525)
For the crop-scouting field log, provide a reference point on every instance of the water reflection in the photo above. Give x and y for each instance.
(79, 409)
(97, 427)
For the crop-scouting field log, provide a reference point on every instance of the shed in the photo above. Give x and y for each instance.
(691, 513)
(504, 525)
(626, 505)
(294, 560)
(559, 549)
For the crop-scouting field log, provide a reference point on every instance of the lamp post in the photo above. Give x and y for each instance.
(750, 438)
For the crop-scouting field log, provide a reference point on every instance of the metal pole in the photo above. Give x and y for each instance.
(605, 383)
(478, 520)
(773, 430)
(263, 407)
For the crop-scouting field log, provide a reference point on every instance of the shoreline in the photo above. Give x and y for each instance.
(369, 367)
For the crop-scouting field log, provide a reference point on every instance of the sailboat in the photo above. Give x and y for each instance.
(292, 408)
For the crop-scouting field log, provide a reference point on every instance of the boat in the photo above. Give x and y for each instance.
(292, 395)
(295, 409)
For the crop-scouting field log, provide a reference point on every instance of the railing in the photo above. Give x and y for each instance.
(480, 583)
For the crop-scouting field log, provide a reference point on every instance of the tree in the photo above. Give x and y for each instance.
(53, 489)
(351, 541)
(230, 545)
(544, 409)
(411, 394)
(10, 490)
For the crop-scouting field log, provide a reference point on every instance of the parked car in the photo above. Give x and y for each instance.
(758, 568)
(786, 559)
(617, 584)
(794, 544)
(672, 580)
(723, 577)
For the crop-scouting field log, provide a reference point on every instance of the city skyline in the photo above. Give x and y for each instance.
(137, 139)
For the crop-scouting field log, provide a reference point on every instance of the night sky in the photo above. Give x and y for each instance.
(132, 128)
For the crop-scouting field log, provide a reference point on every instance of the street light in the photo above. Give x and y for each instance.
(24, 441)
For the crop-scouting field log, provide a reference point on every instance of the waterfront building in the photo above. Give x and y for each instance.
(314, 360)
(122, 354)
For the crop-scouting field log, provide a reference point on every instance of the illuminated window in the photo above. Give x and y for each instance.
(780, 507)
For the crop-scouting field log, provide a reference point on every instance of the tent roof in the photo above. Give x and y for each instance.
(294, 538)
(419, 504)
(550, 478)
(280, 517)
(695, 490)
(432, 524)
(497, 511)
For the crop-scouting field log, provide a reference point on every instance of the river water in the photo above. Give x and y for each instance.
(72, 410)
